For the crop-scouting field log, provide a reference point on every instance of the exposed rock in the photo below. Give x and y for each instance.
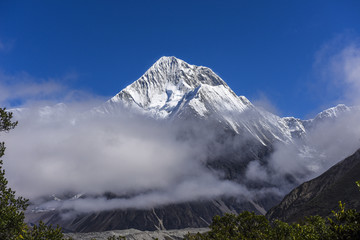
(321, 195)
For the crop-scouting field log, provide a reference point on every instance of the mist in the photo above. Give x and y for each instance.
(65, 149)
(69, 150)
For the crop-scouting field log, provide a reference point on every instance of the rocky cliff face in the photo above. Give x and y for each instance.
(322, 194)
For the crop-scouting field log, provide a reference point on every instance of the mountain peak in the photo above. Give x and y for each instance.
(172, 69)
(332, 112)
(166, 62)
(167, 59)
(168, 84)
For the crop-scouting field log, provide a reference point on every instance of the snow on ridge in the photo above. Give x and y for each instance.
(165, 84)
(332, 112)
(172, 88)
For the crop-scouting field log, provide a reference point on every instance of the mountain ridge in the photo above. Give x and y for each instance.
(321, 195)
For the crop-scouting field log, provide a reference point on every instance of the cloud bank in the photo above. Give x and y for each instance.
(60, 150)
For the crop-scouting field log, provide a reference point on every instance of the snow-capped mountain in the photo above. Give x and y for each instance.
(172, 85)
(332, 112)
(174, 91)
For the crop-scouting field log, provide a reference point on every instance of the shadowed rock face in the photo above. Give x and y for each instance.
(322, 194)
(175, 216)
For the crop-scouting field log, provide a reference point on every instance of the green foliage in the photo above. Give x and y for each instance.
(5, 120)
(344, 224)
(12, 225)
(245, 225)
(42, 232)
(11, 210)
(11, 207)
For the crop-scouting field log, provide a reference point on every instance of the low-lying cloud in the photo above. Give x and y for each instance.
(57, 150)
(147, 163)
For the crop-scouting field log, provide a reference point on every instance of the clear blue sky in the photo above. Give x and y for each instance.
(262, 49)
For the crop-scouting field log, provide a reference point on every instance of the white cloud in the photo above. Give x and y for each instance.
(22, 89)
(204, 187)
(67, 150)
(262, 101)
(346, 65)
(338, 62)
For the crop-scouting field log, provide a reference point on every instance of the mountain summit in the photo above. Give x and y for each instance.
(171, 86)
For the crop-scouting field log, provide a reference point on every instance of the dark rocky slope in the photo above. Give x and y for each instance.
(322, 194)
(175, 216)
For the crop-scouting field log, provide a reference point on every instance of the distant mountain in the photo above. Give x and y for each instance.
(321, 195)
(177, 92)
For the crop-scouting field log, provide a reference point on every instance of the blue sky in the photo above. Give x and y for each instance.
(281, 54)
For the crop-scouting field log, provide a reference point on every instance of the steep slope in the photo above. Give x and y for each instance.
(322, 194)
(168, 84)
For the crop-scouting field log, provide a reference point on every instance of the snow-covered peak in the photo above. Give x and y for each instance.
(173, 70)
(332, 112)
(164, 86)
(166, 62)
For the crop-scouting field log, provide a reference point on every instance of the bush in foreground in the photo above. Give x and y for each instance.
(343, 224)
